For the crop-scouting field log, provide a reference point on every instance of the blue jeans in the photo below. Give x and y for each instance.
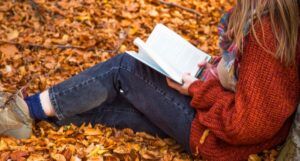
(124, 93)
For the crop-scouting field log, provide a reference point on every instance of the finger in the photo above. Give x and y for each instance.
(208, 66)
(173, 84)
(170, 83)
(167, 80)
(202, 64)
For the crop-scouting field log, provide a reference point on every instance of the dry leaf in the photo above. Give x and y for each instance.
(204, 136)
(4, 156)
(8, 51)
(58, 157)
(12, 35)
(18, 155)
(90, 131)
(3, 145)
(254, 157)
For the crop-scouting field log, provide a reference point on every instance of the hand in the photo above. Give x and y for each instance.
(184, 88)
(210, 70)
(205, 64)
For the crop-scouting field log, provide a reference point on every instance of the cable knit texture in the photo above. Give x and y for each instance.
(254, 118)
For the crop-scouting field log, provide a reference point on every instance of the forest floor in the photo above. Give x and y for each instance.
(43, 42)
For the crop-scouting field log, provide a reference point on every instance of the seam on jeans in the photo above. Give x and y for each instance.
(118, 110)
(55, 105)
(160, 91)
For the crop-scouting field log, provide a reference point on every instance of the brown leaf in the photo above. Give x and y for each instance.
(12, 35)
(90, 132)
(58, 157)
(121, 150)
(18, 155)
(3, 145)
(147, 154)
(254, 157)
(8, 51)
(75, 158)
(4, 156)
(35, 157)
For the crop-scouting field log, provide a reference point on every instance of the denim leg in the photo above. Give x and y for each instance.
(119, 114)
(143, 87)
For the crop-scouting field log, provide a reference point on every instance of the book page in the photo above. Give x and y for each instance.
(144, 58)
(167, 68)
(175, 51)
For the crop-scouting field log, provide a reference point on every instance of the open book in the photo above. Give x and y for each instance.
(170, 54)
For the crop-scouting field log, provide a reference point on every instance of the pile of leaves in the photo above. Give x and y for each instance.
(89, 143)
(43, 42)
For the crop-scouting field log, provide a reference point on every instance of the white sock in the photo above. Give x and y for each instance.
(46, 103)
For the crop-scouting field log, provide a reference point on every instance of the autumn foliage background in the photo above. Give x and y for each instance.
(43, 42)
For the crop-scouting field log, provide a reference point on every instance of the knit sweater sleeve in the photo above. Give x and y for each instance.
(266, 95)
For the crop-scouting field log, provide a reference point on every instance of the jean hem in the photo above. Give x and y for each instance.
(55, 105)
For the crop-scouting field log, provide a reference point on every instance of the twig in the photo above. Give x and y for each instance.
(171, 4)
(37, 10)
(123, 35)
(30, 45)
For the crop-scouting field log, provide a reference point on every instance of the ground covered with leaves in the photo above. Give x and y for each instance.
(43, 42)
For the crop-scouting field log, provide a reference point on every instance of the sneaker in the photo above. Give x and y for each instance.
(15, 119)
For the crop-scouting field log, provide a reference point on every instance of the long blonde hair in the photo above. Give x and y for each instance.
(284, 15)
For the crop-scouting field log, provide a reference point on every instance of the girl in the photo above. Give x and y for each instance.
(241, 107)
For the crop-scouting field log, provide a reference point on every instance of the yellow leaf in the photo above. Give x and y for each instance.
(99, 150)
(8, 51)
(204, 136)
(58, 157)
(12, 35)
(254, 157)
(84, 17)
(94, 152)
(3, 145)
(153, 13)
(92, 132)
(123, 48)
(102, 151)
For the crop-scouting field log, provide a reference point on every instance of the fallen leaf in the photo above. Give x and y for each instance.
(3, 145)
(58, 157)
(4, 156)
(18, 155)
(8, 51)
(12, 35)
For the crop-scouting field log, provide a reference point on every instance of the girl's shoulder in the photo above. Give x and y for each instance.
(262, 33)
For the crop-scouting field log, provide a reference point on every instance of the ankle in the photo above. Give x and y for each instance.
(46, 104)
(35, 107)
(40, 106)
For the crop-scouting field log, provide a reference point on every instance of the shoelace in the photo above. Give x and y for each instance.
(7, 101)
(10, 98)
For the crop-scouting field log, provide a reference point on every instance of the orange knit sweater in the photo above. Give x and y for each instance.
(254, 118)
